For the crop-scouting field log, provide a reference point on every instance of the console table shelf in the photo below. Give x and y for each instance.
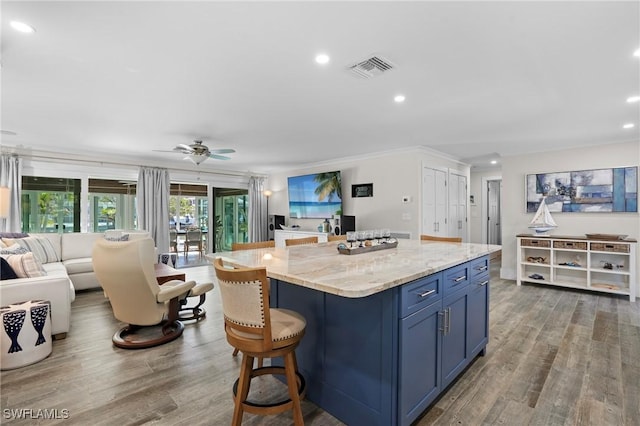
(578, 262)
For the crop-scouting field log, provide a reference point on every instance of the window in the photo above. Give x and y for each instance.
(50, 204)
(112, 204)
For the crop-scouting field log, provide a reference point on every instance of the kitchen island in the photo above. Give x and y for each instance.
(387, 331)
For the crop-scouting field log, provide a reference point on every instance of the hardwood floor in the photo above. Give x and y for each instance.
(555, 356)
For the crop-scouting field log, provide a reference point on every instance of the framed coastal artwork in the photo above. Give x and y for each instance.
(585, 191)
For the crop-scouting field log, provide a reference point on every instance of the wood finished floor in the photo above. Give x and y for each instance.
(555, 357)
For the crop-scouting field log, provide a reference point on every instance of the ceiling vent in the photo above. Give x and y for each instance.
(372, 67)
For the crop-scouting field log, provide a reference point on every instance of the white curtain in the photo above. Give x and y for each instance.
(257, 210)
(11, 177)
(153, 205)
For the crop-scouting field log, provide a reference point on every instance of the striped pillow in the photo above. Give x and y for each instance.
(40, 246)
(25, 265)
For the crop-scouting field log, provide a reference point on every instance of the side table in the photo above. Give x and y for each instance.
(27, 333)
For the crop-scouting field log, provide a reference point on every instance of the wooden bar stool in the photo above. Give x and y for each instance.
(443, 239)
(259, 331)
(300, 241)
(251, 246)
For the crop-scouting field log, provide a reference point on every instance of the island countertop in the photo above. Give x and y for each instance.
(321, 267)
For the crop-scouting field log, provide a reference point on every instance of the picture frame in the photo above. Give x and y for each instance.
(606, 190)
(362, 190)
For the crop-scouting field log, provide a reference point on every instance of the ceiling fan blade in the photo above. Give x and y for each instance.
(222, 151)
(164, 150)
(219, 157)
(183, 148)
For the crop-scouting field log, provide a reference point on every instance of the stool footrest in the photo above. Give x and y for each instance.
(273, 407)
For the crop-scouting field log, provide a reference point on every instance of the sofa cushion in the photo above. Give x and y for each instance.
(78, 245)
(41, 247)
(78, 266)
(25, 265)
(6, 271)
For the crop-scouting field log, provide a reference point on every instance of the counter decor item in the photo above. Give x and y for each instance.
(344, 249)
(542, 221)
(606, 237)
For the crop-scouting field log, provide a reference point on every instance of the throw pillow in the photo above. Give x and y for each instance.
(14, 249)
(25, 265)
(13, 234)
(6, 271)
(123, 237)
(40, 246)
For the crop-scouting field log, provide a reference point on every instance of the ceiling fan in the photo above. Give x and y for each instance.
(197, 152)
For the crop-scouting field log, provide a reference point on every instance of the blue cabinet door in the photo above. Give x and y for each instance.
(419, 376)
(478, 316)
(454, 340)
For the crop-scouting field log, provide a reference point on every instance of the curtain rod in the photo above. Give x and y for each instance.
(52, 156)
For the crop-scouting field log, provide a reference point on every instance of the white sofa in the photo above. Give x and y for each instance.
(73, 272)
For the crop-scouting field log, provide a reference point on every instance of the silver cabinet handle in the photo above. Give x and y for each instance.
(447, 321)
(484, 283)
(427, 293)
(457, 280)
(443, 322)
(482, 268)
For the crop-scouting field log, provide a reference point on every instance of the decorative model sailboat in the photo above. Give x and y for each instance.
(542, 221)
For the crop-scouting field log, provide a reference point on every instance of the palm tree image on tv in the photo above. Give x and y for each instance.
(316, 196)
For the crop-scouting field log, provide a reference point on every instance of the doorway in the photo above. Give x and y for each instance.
(231, 217)
(493, 212)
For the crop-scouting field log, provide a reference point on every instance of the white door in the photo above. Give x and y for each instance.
(434, 201)
(457, 206)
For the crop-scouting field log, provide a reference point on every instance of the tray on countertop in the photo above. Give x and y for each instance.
(360, 250)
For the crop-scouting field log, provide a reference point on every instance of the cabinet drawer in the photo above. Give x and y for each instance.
(535, 243)
(573, 245)
(455, 278)
(419, 294)
(480, 281)
(611, 247)
(479, 266)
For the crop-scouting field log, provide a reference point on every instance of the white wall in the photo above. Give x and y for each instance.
(394, 176)
(515, 220)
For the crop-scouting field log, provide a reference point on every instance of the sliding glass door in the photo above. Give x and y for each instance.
(231, 210)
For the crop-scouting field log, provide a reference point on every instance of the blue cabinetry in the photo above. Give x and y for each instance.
(383, 359)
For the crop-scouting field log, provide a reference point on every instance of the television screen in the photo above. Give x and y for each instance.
(315, 196)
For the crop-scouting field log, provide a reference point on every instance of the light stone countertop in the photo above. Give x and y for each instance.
(321, 267)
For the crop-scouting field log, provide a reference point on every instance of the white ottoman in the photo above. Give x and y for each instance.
(26, 336)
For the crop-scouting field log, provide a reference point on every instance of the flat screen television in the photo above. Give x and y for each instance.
(315, 196)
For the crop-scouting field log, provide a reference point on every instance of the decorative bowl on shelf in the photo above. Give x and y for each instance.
(606, 237)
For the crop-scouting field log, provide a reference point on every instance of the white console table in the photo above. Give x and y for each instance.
(578, 262)
(281, 235)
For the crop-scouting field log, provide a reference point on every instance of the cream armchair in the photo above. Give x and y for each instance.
(125, 270)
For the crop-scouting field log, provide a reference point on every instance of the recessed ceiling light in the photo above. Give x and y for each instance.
(633, 99)
(636, 53)
(399, 98)
(494, 161)
(322, 59)
(628, 126)
(22, 27)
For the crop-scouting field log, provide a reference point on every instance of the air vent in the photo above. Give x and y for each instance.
(372, 67)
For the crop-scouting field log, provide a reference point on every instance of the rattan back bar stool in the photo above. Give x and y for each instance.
(442, 239)
(259, 331)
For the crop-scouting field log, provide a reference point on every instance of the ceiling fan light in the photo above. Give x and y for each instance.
(195, 158)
